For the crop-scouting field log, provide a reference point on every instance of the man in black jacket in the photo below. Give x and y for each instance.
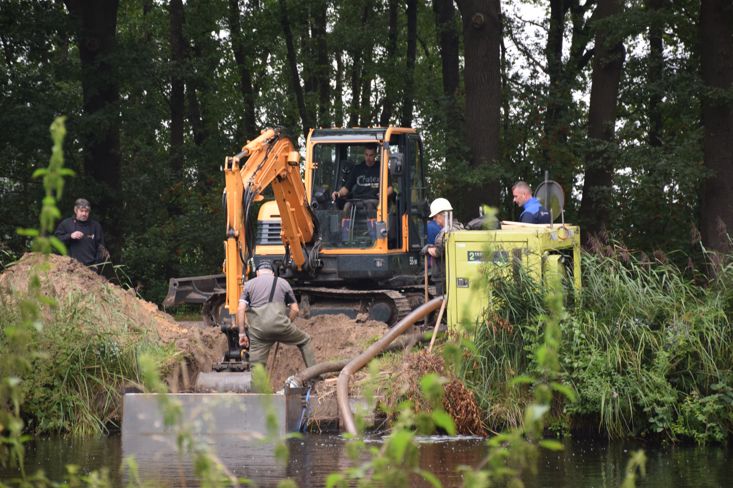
(83, 236)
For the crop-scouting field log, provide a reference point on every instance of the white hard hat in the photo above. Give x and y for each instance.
(439, 205)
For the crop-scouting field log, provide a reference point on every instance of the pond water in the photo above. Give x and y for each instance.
(580, 464)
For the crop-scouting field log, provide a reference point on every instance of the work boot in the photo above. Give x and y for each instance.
(309, 357)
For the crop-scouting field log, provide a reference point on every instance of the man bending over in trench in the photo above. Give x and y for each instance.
(269, 304)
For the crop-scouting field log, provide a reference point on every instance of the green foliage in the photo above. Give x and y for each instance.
(19, 330)
(16, 336)
(92, 364)
(645, 349)
(396, 462)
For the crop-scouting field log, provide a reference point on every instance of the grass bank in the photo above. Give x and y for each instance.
(648, 352)
(79, 366)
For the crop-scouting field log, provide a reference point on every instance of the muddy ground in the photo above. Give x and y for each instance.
(334, 337)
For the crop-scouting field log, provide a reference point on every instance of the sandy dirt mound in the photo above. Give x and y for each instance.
(334, 337)
(111, 307)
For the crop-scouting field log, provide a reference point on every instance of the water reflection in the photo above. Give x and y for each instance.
(581, 464)
(602, 464)
(53, 454)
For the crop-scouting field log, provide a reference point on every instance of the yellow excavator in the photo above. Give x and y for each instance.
(342, 255)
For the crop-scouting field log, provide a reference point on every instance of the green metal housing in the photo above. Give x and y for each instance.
(541, 250)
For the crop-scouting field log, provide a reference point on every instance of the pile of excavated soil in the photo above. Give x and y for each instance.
(107, 306)
(333, 337)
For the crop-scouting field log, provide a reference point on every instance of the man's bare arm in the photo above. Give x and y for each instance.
(294, 310)
(242, 317)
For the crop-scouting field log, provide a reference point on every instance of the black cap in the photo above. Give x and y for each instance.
(264, 264)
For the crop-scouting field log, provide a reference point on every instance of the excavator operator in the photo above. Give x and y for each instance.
(363, 182)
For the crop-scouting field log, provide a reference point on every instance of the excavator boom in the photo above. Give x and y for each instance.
(271, 161)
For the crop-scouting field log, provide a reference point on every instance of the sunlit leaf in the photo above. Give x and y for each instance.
(522, 380)
(430, 478)
(564, 390)
(551, 445)
(28, 232)
(443, 420)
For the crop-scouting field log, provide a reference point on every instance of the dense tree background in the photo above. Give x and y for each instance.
(628, 104)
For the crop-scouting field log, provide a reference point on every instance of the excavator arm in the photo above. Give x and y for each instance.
(269, 160)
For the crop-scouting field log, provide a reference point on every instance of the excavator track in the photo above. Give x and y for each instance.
(398, 302)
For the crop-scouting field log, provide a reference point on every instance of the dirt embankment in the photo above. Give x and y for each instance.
(102, 305)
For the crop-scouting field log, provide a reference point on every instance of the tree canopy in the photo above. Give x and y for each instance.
(628, 104)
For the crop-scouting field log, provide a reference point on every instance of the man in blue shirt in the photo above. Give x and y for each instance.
(533, 212)
(433, 229)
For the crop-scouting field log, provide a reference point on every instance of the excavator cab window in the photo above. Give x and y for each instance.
(409, 193)
(416, 206)
(346, 222)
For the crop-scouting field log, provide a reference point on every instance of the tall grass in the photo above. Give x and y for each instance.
(647, 350)
(78, 368)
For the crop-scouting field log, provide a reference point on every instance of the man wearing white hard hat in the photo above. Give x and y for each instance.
(441, 212)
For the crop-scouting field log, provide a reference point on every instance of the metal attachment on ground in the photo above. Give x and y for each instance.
(437, 322)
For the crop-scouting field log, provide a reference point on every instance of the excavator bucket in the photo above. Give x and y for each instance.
(232, 374)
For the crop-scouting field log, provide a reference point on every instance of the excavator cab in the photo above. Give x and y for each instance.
(391, 219)
(367, 246)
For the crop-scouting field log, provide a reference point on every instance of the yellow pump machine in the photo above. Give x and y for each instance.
(540, 250)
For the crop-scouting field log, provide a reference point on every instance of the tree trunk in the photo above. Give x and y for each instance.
(177, 99)
(449, 46)
(355, 108)
(293, 67)
(96, 30)
(562, 77)
(557, 94)
(247, 125)
(304, 27)
(448, 43)
(409, 95)
(655, 71)
(194, 115)
(147, 29)
(357, 71)
(323, 67)
(481, 38)
(338, 104)
(390, 78)
(716, 49)
(608, 64)
(201, 63)
(365, 107)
